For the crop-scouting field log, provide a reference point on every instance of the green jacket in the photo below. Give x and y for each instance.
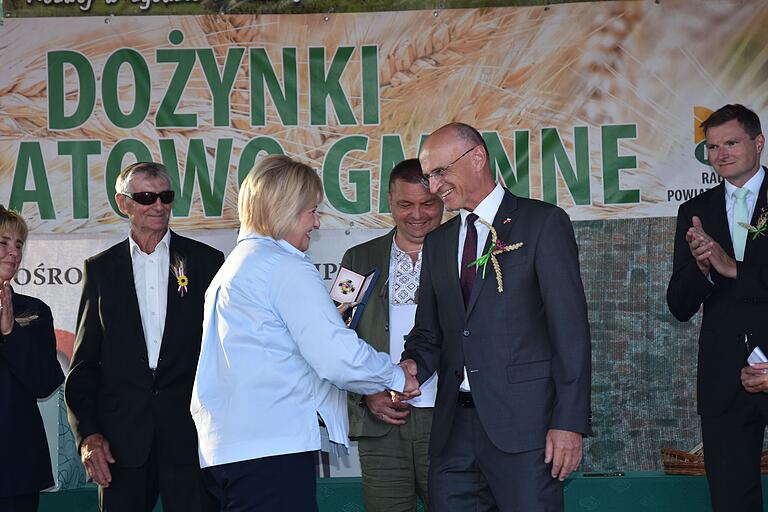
(373, 326)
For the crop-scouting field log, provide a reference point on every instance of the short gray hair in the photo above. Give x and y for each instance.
(151, 169)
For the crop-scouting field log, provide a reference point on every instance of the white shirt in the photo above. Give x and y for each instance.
(275, 353)
(150, 277)
(486, 210)
(403, 290)
(753, 190)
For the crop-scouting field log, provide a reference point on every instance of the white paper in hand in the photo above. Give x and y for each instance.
(757, 356)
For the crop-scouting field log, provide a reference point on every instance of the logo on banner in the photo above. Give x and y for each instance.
(700, 114)
(709, 177)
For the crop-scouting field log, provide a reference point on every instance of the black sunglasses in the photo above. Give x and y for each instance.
(147, 198)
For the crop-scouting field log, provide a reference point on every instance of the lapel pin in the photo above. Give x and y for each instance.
(507, 221)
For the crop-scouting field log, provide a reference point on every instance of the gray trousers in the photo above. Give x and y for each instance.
(472, 475)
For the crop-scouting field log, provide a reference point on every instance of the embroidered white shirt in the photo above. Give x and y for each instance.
(403, 292)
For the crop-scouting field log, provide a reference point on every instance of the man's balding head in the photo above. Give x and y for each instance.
(456, 160)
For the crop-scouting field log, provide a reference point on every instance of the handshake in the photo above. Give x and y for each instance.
(411, 389)
(389, 406)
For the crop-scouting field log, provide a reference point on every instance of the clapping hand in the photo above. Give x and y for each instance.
(6, 308)
(707, 252)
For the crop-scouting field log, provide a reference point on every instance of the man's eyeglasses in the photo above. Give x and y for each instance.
(440, 172)
(147, 198)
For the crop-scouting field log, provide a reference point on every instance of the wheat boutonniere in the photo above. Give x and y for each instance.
(26, 318)
(762, 224)
(179, 271)
(495, 248)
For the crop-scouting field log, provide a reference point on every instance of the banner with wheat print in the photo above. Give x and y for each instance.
(591, 106)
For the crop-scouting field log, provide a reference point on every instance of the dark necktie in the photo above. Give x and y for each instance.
(467, 275)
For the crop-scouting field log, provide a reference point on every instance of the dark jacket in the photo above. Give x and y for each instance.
(29, 370)
(110, 388)
(732, 307)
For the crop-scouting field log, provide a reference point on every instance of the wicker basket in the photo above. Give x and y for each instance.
(677, 462)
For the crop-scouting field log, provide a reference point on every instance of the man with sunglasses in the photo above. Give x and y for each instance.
(510, 341)
(136, 348)
(392, 438)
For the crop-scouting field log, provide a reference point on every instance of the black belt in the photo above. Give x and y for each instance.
(465, 400)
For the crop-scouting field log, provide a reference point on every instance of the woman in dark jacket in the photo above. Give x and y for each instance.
(29, 371)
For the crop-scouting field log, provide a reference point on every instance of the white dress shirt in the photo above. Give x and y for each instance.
(275, 353)
(403, 291)
(150, 277)
(486, 210)
(753, 190)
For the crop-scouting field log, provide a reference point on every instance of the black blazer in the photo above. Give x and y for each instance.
(732, 307)
(110, 388)
(29, 370)
(527, 350)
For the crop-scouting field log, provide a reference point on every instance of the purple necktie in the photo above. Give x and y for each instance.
(468, 255)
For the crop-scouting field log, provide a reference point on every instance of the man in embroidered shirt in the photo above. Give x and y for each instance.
(719, 265)
(138, 338)
(514, 366)
(393, 438)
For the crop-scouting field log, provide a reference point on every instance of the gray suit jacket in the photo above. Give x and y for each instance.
(373, 326)
(527, 350)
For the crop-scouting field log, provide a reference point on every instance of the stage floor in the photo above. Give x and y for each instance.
(633, 492)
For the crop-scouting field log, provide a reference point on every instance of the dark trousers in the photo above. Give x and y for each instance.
(23, 503)
(180, 488)
(283, 483)
(733, 444)
(472, 475)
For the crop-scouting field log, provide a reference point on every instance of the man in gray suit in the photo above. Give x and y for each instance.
(393, 438)
(510, 340)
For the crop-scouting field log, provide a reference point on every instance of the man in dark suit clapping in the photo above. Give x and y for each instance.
(510, 340)
(720, 265)
(136, 349)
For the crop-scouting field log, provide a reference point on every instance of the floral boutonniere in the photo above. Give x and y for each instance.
(762, 224)
(179, 271)
(495, 248)
(26, 318)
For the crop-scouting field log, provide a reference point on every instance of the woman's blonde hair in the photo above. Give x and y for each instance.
(274, 193)
(13, 222)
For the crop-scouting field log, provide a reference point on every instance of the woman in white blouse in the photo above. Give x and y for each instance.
(275, 352)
